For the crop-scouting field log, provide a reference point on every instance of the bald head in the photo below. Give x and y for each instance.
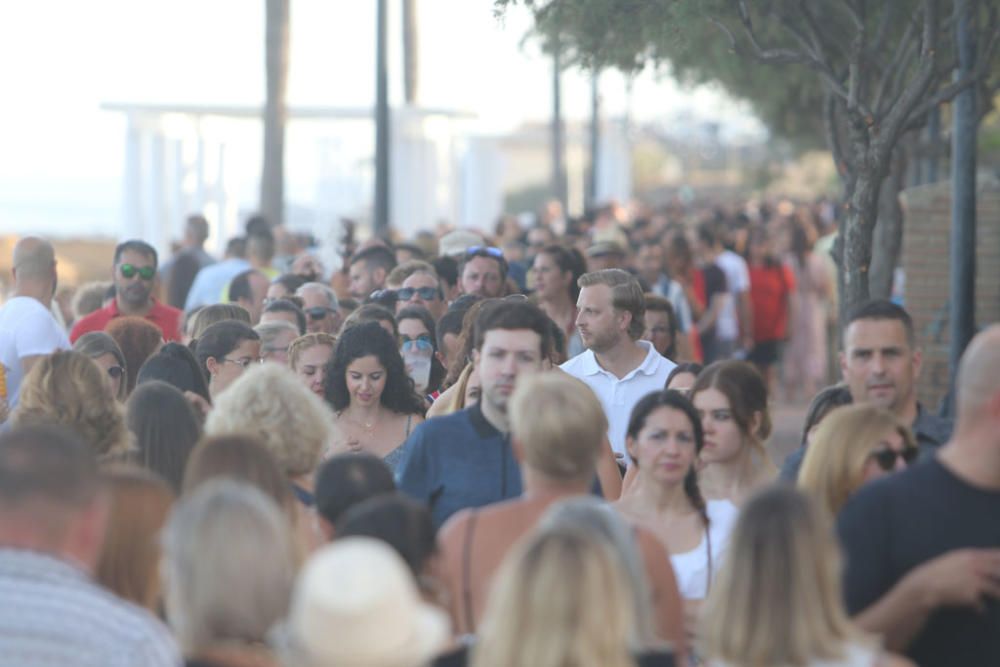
(979, 375)
(34, 259)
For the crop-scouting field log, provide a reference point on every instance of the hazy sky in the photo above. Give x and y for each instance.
(63, 58)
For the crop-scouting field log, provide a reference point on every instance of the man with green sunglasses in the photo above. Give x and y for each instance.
(134, 276)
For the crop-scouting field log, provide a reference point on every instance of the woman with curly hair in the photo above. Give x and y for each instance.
(68, 389)
(367, 385)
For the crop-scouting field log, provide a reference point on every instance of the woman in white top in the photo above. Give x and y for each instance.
(663, 439)
(777, 598)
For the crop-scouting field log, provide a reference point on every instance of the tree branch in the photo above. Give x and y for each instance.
(852, 13)
(882, 31)
(840, 159)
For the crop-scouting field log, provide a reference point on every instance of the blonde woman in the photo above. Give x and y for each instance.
(69, 389)
(293, 424)
(855, 445)
(562, 597)
(778, 597)
(308, 356)
(222, 596)
(731, 399)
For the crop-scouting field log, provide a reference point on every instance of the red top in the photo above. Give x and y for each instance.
(770, 287)
(167, 318)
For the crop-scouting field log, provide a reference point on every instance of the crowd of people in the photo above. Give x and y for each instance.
(545, 447)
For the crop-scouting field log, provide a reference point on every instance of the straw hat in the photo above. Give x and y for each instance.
(355, 604)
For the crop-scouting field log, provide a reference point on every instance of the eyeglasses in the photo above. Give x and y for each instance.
(129, 271)
(886, 458)
(422, 343)
(319, 312)
(480, 250)
(116, 372)
(426, 293)
(245, 362)
(383, 294)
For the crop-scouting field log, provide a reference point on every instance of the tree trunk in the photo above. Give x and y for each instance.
(272, 181)
(888, 236)
(858, 230)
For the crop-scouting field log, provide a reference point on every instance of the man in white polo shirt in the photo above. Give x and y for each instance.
(618, 366)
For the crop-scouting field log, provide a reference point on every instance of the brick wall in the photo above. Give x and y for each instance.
(926, 262)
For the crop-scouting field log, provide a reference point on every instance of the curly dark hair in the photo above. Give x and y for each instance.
(370, 339)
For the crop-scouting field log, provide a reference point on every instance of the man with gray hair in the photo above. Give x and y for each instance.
(321, 307)
(28, 331)
(618, 366)
(53, 516)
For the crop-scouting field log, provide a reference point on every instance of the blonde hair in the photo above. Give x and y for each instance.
(217, 312)
(303, 343)
(268, 402)
(782, 558)
(559, 424)
(69, 389)
(560, 598)
(834, 464)
(626, 295)
(130, 560)
(218, 586)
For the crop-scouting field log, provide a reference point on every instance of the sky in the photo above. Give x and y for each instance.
(62, 156)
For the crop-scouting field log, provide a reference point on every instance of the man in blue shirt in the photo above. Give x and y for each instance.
(465, 459)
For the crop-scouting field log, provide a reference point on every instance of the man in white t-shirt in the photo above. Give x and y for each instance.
(28, 331)
(617, 366)
(733, 330)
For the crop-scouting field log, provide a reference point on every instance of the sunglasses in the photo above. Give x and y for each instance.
(886, 458)
(116, 372)
(245, 362)
(426, 293)
(481, 250)
(318, 312)
(422, 343)
(129, 271)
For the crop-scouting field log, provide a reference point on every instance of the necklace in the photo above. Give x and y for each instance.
(368, 426)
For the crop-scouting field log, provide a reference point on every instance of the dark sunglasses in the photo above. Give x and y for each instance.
(116, 372)
(426, 293)
(886, 458)
(318, 312)
(145, 272)
(480, 250)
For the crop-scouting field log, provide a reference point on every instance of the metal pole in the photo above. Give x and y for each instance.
(558, 139)
(963, 200)
(382, 137)
(595, 136)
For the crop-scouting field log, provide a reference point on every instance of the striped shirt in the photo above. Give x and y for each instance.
(52, 614)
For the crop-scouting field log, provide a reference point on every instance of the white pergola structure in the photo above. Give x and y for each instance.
(181, 159)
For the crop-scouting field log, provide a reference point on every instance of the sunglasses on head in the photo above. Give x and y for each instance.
(886, 458)
(426, 293)
(116, 372)
(480, 250)
(129, 271)
(319, 312)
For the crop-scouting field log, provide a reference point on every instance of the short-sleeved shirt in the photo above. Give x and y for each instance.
(27, 329)
(458, 461)
(672, 291)
(619, 396)
(210, 283)
(167, 318)
(52, 615)
(770, 287)
(893, 525)
(737, 281)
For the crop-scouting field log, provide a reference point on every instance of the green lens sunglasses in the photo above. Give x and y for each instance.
(145, 272)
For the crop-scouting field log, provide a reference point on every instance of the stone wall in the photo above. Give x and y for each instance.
(925, 259)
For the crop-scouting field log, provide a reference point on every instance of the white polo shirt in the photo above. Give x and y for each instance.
(619, 396)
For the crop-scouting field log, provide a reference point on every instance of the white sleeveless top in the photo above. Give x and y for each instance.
(691, 568)
(857, 655)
